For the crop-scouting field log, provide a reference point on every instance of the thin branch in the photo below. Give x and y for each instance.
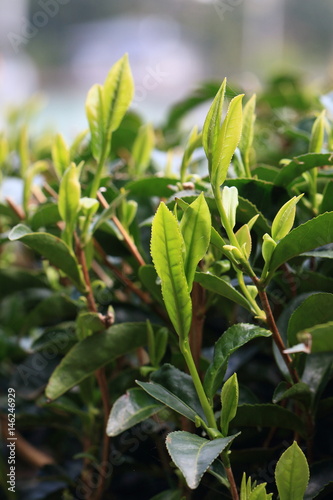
(233, 487)
(275, 331)
(127, 282)
(100, 374)
(128, 240)
(18, 211)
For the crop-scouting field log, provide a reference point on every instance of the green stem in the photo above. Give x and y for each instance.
(247, 165)
(260, 314)
(98, 174)
(186, 352)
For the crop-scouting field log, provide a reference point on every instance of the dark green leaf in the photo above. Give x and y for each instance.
(130, 409)
(320, 476)
(148, 277)
(152, 186)
(94, 352)
(53, 249)
(175, 389)
(235, 337)
(314, 310)
(193, 454)
(222, 287)
(313, 234)
(15, 280)
(302, 164)
(319, 337)
(268, 415)
(299, 391)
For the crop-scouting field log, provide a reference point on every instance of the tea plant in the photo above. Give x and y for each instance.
(187, 316)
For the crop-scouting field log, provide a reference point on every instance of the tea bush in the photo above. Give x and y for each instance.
(166, 319)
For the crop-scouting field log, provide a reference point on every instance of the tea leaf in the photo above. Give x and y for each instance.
(314, 233)
(175, 389)
(166, 249)
(234, 338)
(53, 249)
(220, 286)
(60, 155)
(212, 125)
(193, 454)
(130, 409)
(229, 400)
(95, 114)
(284, 219)
(196, 228)
(94, 352)
(118, 94)
(292, 474)
(142, 148)
(227, 142)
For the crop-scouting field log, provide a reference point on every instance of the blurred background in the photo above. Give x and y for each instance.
(59, 48)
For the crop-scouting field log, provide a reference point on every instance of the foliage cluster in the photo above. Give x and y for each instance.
(168, 330)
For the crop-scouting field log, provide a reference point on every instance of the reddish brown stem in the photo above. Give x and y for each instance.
(128, 283)
(233, 487)
(18, 211)
(275, 331)
(128, 240)
(100, 374)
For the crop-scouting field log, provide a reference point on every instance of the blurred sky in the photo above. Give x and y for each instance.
(62, 47)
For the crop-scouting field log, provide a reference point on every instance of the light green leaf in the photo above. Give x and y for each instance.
(246, 141)
(244, 239)
(236, 336)
(94, 352)
(60, 155)
(194, 141)
(227, 142)
(213, 122)
(317, 134)
(229, 400)
(193, 454)
(259, 493)
(69, 195)
(195, 227)
(130, 409)
(118, 94)
(95, 114)
(221, 287)
(313, 234)
(142, 148)
(292, 474)
(167, 253)
(53, 249)
(284, 219)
